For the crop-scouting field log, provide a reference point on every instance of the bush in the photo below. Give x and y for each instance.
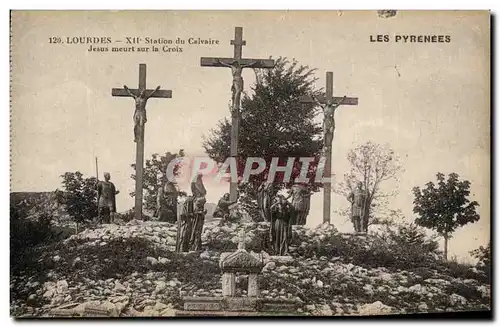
(248, 201)
(410, 236)
(409, 245)
(27, 233)
(125, 216)
(400, 247)
(483, 256)
(79, 196)
(26, 236)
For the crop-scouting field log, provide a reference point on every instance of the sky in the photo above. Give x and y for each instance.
(427, 101)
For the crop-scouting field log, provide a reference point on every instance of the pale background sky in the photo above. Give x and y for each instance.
(435, 115)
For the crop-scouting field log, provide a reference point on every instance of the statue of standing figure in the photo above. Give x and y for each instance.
(237, 86)
(199, 212)
(358, 198)
(281, 227)
(264, 199)
(301, 203)
(185, 225)
(140, 109)
(106, 199)
(167, 203)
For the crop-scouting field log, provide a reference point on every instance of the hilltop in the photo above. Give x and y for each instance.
(131, 270)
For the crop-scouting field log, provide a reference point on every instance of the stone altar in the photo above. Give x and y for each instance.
(229, 304)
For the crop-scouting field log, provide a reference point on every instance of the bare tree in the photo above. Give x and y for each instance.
(372, 164)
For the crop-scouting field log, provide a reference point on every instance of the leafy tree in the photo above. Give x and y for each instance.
(483, 256)
(273, 123)
(79, 196)
(444, 207)
(372, 164)
(155, 174)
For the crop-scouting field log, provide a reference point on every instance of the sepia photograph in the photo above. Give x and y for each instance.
(327, 163)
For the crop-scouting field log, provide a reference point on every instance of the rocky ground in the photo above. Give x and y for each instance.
(131, 270)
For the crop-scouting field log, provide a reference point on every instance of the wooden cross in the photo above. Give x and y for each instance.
(139, 157)
(329, 100)
(237, 63)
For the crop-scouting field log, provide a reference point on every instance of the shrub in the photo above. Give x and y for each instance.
(125, 216)
(26, 234)
(79, 196)
(28, 239)
(400, 247)
(483, 256)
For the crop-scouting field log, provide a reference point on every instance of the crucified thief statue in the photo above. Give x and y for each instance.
(237, 86)
(328, 120)
(140, 109)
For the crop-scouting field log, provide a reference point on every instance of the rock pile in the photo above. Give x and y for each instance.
(131, 270)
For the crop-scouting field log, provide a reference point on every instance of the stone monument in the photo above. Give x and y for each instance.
(232, 263)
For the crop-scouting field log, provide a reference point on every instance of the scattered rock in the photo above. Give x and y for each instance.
(160, 286)
(419, 289)
(437, 282)
(205, 255)
(144, 292)
(369, 289)
(269, 266)
(77, 263)
(375, 308)
(310, 307)
(152, 261)
(119, 287)
(168, 311)
(62, 286)
(423, 307)
(163, 261)
(324, 310)
(485, 291)
(31, 299)
(457, 299)
(159, 306)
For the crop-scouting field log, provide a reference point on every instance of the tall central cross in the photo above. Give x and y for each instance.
(237, 63)
(140, 95)
(329, 103)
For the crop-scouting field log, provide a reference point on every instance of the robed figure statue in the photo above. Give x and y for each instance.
(281, 228)
(301, 202)
(199, 212)
(184, 225)
(264, 199)
(166, 203)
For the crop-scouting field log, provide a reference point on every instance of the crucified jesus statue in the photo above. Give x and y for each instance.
(237, 86)
(328, 120)
(140, 109)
